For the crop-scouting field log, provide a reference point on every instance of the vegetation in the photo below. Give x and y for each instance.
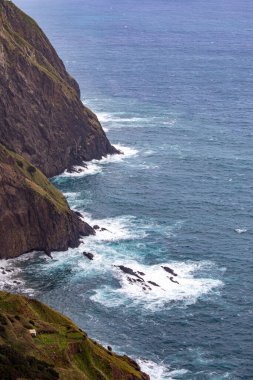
(60, 349)
(17, 41)
(14, 365)
(34, 179)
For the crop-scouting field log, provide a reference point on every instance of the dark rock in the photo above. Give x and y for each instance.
(104, 229)
(172, 280)
(78, 214)
(34, 214)
(169, 270)
(41, 114)
(109, 348)
(96, 227)
(153, 283)
(89, 255)
(3, 272)
(49, 254)
(141, 273)
(128, 271)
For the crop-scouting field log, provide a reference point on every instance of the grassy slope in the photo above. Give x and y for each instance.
(34, 178)
(59, 343)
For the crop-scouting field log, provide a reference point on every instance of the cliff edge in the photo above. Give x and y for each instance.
(34, 214)
(41, 115)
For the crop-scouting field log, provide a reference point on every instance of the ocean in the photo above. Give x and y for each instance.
(172, 84)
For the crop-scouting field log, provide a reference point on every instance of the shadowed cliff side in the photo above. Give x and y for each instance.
(58, 351)
(41, 115)
(34, 214)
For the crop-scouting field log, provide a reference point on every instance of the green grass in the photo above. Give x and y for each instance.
(59, 343)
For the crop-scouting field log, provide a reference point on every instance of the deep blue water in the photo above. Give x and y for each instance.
(172, 83)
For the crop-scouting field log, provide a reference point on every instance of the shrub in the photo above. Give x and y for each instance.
(20, 163)
(31, 169)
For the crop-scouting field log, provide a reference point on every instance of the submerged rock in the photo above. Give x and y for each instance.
(172, 280)
(104, 229)
(128, 271)
(169, 270)
(89, 255)
(98, 228)
(153, 283)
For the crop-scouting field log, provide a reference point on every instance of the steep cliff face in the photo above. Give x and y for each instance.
(34, 214)
(41, 115)
(59, 351)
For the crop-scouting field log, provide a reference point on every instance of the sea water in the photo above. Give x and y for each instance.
(172, 84)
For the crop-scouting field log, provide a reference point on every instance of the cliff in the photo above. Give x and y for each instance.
(34, 214)
(60, 349)
(41, 115)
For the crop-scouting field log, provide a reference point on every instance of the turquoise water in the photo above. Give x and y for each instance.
(172, 84)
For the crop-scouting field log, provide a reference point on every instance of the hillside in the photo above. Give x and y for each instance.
(34, 214)
(41, 115)
(59, 351)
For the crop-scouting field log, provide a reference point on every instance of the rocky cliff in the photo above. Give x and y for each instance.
(34, 214)
(41, 115)
(60, 350)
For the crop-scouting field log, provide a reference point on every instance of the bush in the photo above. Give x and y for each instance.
(31, 169)
(20, 163)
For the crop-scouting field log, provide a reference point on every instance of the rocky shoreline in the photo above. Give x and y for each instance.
(44, 130)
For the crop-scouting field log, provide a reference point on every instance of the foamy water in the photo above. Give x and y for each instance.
(96, 166)
(157, 291)
(179, 93)
(159, 371)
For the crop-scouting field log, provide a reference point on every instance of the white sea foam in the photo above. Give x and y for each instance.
(120, 118)
(167, 293)
(90, 168)
(159, 371)
(241, 230)
(117, 228)
(192, 283)
(10, 279)
(117, 120)
(96, 166)
(72, 196)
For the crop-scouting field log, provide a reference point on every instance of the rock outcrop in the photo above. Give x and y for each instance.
(41, 115)
(37, 342)
(34, 214)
